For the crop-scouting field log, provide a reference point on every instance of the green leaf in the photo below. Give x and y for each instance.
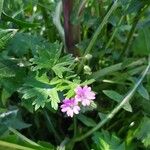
(63, 65)
(17, 141)
(113, 68)
(69, 86)
(46, 145)
(50, 59)
(18, 146)
(143, 92)
(23, 43)
(86, 120)
(12, 119)
(6, 70)
(19, 23)
(59, 69)
(106, 71)
(54, 98)
(41, 92)
(118, 98)
(22, 137)
(134, 6)
(39, 95)
(87, 82)
(4, 96)
(143, 131)
(105, 141)
(102, 116)
(5, 35)
(46, 58)
(141, 45)
(113, 95)
(13, 146)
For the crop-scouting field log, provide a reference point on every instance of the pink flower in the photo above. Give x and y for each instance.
(70, 106)
(84, 95)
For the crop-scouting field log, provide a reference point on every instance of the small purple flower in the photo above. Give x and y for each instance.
(84, 95)
(70, 106)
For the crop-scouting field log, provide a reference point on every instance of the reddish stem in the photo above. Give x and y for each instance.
(71, 31)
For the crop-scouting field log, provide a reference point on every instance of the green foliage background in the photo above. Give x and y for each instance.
(37, 71)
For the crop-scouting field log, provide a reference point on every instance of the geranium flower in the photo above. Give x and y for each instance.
(70, 106)
(84, 95)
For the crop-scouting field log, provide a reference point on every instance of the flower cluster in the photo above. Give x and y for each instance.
(83, 96)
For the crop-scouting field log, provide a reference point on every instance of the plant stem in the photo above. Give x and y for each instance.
(86, 145)
(52, 127)
(116, 29)
(116, 109)
(131, 33)
(75, 126)
(5, 145)
(72, 31)
(114, 33)
(97, 32)
(97, 8)
(23, 137)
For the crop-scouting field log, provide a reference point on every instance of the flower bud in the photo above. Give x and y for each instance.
(77, 59)
(88, 56)
(87, 68)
